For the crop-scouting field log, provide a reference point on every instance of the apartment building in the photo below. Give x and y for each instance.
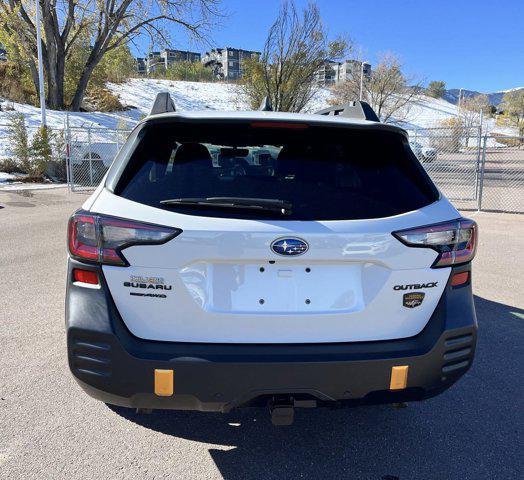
(226, 63)
(164, 59)
(141, 65)
(353, 68)
(328, 73)
(332, 72)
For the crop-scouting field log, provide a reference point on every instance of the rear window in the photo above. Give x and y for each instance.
(325, 173)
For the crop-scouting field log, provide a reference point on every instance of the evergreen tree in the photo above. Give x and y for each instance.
(19, 142)
(41, 152)
(437, 88)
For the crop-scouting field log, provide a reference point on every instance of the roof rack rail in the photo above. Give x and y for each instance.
(357, 109)
(163, 104)
(266, 106)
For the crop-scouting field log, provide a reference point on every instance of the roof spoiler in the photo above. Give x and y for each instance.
(358, 110)
(265, 106)
(163, 104)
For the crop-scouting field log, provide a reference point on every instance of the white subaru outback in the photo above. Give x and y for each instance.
(261, 258)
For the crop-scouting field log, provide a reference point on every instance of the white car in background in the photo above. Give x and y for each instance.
(424, 154)
(90, 161)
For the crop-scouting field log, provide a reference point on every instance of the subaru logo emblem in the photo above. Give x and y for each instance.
(289, 246)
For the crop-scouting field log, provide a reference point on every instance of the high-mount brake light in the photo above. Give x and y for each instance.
(455, 241)
(287, 125)
(101, 239)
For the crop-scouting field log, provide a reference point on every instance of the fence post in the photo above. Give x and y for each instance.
(90, 157)
(477, 166)
(68, 154)
(482, 168)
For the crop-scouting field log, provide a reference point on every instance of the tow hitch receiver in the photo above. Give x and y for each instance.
(282, 409)
(282, 415)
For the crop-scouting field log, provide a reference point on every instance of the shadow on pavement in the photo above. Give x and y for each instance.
(470, 431)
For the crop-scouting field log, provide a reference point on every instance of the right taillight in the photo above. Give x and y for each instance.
(101, 239)
(455, 241)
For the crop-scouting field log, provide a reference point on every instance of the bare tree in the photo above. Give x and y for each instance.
(106, 23)
(513, 105)
(470, 109)
(470, 113)
(295, 49)
(389, 92)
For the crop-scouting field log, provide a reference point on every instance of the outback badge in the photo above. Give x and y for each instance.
(412, 300)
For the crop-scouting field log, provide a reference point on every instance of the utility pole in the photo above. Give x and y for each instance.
(40, 65)
(459, 102)
(362, 79)
(481, 120)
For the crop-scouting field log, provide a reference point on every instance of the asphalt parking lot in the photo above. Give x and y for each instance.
(50, 429)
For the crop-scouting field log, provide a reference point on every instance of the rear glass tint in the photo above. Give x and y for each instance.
(325, 173)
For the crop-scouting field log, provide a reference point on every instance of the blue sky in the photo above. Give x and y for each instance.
(473, 44)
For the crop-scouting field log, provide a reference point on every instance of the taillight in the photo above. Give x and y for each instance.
(101, 239)
(455, 241)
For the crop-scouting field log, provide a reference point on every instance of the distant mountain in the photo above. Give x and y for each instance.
(494, 98)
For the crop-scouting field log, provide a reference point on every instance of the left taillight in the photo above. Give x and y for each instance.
(98, 238)
(455, 241)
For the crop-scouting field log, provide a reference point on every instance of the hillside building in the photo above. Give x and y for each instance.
(162, 60)
(226, 63)
(331, 72)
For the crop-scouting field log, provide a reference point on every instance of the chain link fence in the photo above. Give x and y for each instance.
(452, 159)
(78, 156)
(475, 171)
(24, 150)
(501, 181)
(90, 153)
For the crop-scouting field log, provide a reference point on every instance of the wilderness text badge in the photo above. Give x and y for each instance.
(412, 300)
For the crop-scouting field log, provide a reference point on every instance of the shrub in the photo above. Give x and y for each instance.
(16, 84)
(41, 152)
(449, 138)
(19, 142)
(190, 71)
(103, 100)
(8, 165)
(508, 141)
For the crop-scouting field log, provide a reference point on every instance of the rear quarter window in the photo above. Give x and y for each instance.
(324, 172)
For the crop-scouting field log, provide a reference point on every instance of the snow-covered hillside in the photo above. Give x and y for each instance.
(426, 112)
(139, 94)
(494, 98)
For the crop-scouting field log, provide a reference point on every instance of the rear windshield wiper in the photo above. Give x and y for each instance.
(267, 204)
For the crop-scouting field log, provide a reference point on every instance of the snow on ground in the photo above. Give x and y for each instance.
(426, 112)
(57, 119)
(17, 186)
(13, 181)
(139, 94)
(7, 177)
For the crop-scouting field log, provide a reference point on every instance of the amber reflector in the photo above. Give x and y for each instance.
(459, 279)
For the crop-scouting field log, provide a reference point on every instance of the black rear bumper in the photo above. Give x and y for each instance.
(116, 367)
